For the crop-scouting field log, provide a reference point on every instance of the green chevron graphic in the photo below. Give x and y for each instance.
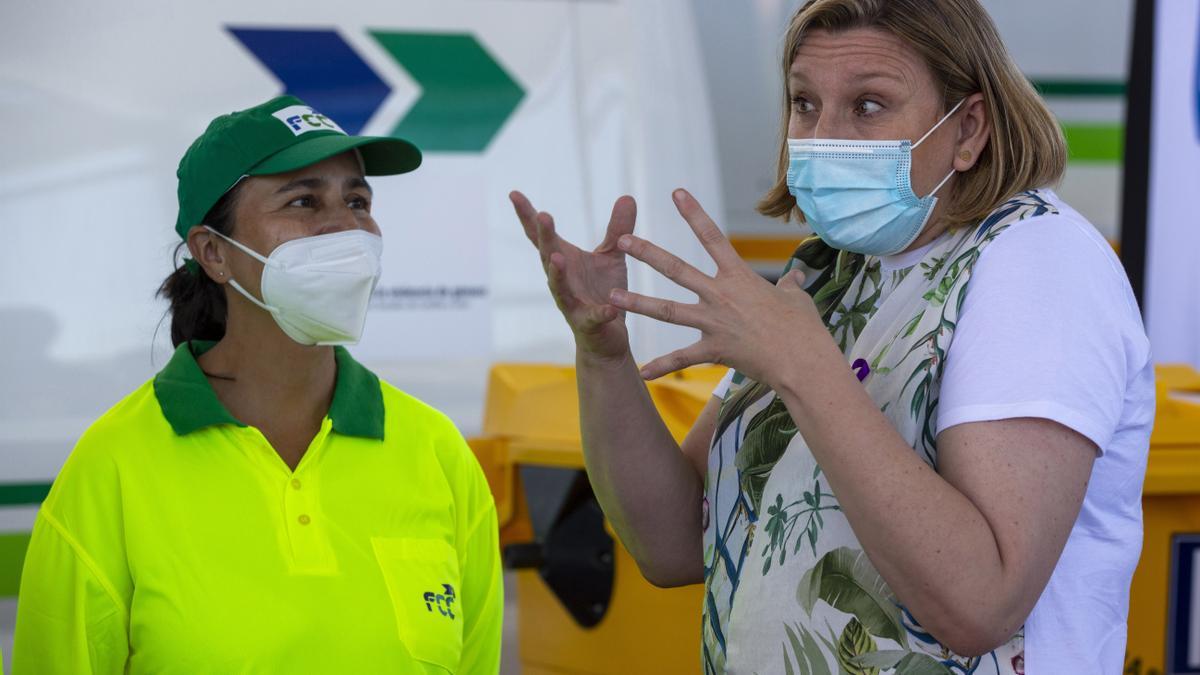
(466, 95)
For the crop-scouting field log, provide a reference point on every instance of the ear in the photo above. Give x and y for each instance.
(207, 249)
(974, 129)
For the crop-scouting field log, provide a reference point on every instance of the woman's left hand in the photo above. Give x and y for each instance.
(745, 322)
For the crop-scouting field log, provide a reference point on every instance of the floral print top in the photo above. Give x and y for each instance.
(788, 588)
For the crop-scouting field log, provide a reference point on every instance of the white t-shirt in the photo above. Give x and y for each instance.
(1050, 329)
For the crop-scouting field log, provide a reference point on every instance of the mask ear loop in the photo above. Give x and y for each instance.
(939, 187)
(927, 133)
(233, 282)
(244, 249)
(944, 118)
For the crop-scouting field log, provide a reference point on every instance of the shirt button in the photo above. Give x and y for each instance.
(296, 483)
(304, 519)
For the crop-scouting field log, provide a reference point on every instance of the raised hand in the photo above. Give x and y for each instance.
(581, 281)
(744, 321)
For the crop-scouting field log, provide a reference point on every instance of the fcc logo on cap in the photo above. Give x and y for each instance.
(302, 119)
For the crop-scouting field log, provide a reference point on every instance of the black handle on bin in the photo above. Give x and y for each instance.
(572, 553)
(523, 556)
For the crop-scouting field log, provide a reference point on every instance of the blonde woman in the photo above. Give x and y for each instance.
(927, 457)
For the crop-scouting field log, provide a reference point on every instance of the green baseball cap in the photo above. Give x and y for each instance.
(283, 134)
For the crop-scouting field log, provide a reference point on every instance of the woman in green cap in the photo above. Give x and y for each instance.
(265, 503)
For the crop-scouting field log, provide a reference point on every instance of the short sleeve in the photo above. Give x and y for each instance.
(73, 603)
(1049, 328)
(69, 619)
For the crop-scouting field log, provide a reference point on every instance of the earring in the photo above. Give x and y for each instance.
(965, 155)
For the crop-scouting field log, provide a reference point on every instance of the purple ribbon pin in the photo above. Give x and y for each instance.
(862, 369)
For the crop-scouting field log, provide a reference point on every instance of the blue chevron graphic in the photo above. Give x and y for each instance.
(321, 69)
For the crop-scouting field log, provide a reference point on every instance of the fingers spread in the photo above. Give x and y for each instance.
(556, 279)
(546, 240)
(668, 264)
(706, 230)
(526, 214)
(624, 215)
(678, 313)
(676, 360)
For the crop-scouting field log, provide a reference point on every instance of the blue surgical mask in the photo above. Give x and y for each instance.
(857, 195)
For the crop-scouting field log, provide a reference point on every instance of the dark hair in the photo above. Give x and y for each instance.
(197, 302)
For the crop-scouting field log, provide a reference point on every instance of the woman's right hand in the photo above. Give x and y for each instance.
(581, 281)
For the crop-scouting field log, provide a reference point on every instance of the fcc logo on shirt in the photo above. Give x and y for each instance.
(302, 119)
(443, 602)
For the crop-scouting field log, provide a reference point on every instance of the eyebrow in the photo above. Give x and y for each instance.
(318, 183)
(796, 75)
(878, 75)
(359, 182)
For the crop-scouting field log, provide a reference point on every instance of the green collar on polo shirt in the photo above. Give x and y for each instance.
(189, 402)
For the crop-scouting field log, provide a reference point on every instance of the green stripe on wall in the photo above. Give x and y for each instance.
(12, 556)
(21, 494)
(1095, 142)
(1083, 88)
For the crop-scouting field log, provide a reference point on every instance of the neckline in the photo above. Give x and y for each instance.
(905, 260)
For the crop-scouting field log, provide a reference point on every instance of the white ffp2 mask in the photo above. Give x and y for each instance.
(318, 288)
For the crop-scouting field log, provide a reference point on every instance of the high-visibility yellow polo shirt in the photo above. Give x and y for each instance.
(176, 540)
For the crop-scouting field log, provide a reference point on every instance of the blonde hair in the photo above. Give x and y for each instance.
(962, 48)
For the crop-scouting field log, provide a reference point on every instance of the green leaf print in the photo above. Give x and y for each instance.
(884, 658)
(857, 323)
(783, 521)
(905, 663)
(934, 266)
(917, 663)
(769, 433)
(809, 658)
(855, 642)
(937, 295)
(845, 579)
(873, 273)
(867, 306)
(909, 328)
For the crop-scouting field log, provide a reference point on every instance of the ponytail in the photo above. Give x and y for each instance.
(197, 302)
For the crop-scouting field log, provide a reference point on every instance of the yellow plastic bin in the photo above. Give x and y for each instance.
(585, 609)
(583, 606)
(1164, 608)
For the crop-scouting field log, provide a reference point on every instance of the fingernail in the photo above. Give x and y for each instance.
(617, 295)
(624, 242)
(678, 195)
(644, 373)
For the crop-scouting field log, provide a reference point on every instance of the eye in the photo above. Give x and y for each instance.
(304, 202)
(802, 105)
(867, 107)
(359, 202)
